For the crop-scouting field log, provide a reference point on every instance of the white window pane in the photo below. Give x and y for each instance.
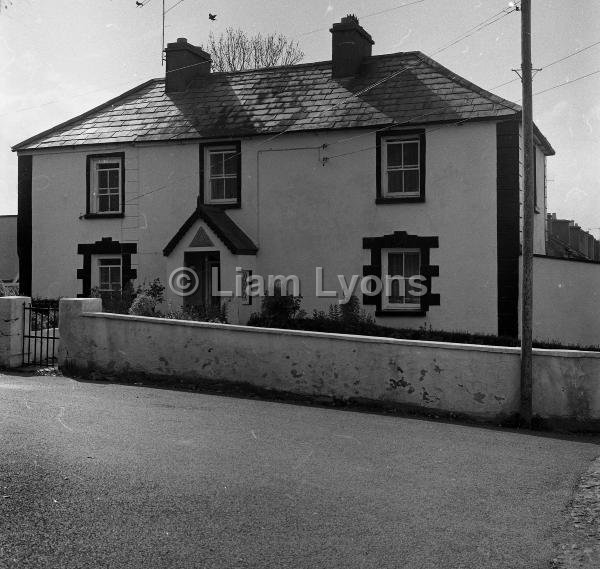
(104, 276)
(396, 264)
(397, 290)
(396, 269)
(102, 179)
(103, 203)
(216, 164)
(217, 189)
(411, 154)
(411, 180)
(394, 182)
(230, 163)
(114, 261)
(113, 178)
(412, 267)
(394, 154)
(231, 188)
(412, 262)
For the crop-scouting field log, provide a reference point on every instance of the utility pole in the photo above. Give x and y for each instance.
(162, 47)
(525, 411)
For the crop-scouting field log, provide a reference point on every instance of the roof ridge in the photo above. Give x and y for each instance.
(306, 64)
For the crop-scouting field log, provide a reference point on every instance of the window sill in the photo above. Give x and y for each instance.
(408, 199)
(102, 215)
(396, 313)
(233, 205)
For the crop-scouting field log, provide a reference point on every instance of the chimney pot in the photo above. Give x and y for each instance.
(350, 46)
(184, 62)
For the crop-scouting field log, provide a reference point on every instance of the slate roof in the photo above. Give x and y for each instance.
(400, 88)
(225, 228)
(556, 247)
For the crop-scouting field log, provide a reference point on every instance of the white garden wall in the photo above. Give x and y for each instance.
(566, 301)
(479, 381)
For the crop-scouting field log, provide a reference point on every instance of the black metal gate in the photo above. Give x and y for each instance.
(40, 335)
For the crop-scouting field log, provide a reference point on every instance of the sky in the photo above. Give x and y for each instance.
(60, 58)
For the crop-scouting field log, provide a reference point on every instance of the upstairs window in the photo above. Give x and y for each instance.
(106, 180)
(401, 167)
(221, 182)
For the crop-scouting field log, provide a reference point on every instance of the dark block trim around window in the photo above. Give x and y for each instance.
(380, 135)
(88, 189)
(24, 223)
(507, 227)
(402, 240)
(238, 150)
(106, 246)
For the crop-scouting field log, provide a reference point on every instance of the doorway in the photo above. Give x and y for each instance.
(203, 264)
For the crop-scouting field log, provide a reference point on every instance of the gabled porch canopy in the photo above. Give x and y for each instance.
(223, 226)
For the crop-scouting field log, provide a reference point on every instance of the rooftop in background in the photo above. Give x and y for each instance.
(565, 239)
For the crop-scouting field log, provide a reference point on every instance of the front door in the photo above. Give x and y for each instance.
(203, 264)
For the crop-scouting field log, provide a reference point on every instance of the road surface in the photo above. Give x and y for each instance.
(104, 475)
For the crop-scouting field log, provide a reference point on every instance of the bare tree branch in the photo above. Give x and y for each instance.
(235, 50)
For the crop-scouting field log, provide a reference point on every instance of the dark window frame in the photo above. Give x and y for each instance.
(401, 240)
(380, 139)
(88, 171)
(106, 246)
(237, 144)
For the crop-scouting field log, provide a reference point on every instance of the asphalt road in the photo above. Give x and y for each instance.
(104, 475)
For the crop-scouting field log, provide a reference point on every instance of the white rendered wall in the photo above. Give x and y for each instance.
(300, 212)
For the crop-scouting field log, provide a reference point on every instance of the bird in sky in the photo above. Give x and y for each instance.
(212, 17)
(139, 4)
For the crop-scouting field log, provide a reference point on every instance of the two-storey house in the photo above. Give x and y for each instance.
(366, 165)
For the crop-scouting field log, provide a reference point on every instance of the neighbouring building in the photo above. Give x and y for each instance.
(564, 238)
(9, 262)
(367, 165)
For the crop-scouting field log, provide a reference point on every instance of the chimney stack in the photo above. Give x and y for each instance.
(185, 62)
(350, 46)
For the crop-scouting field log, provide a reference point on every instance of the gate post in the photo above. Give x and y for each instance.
(72, 331)
(12, 323)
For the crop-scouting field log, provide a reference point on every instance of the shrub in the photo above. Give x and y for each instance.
(117, 302)
(154, 290)
(143, 305)
(278, 310)
(350, 319)
(120, 302)
(200, 313)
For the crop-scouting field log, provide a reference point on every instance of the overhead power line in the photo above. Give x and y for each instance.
(568, 82)
(572, 54)
(365, 16)
(173, 6)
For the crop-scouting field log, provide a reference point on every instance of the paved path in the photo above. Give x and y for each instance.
(102, 475)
